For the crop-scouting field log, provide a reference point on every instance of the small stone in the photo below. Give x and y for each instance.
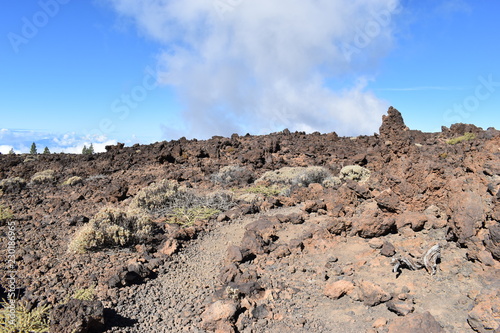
(380, 322)
(388, 250)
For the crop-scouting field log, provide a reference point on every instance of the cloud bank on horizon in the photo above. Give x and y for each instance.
(261, 66)
(72, 143)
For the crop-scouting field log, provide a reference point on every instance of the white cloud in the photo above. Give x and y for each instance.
(255, 66)
(72, 143)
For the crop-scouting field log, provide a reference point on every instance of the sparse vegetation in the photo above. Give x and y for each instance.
(5, 213)
(96, 177)
(331, 182)
(112, 227)
(14, 182)
(187, 216)
(72, 181)
(268, 191)
(301, 176)
(83, 294)
(355, 172)
(466, 137)
(34, 321)
(228, 174)
(45, 176)
(180, 205)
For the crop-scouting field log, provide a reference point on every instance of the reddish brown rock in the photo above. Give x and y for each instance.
(372, 294)
(415, 323)
(337, 289)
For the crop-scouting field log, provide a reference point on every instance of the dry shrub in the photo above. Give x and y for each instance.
(45, 176)
(301, 176)
(72, 181)
(112, 227)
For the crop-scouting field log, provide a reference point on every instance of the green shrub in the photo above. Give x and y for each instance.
(228, 174)
(466, 137)
(34, 321)
(355, 172)
(112, 227)
(5, 213)
(45, 176)
(72, 181)
(302, 176)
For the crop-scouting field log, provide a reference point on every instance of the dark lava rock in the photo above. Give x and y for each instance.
(78, 316)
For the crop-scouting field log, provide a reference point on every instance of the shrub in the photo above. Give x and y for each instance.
(111, 227)
(83, 294)
(36, 320)
(331, 182)
(156, 196)
(73, 181)
(12, 183)
(180, 205)
(45, 176)
(96, 177)
(229, 174)
(355, 172)
(302, 176)
(466, 137)
(5, 213)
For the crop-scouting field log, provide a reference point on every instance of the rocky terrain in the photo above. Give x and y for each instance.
(395, 232)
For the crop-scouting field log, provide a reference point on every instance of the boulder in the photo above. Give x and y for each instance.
(77, 316)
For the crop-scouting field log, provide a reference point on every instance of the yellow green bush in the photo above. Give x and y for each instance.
(466, 137)
(187, 216)
(72, 181)
(34, 321)
(5, 213)
(83, 294)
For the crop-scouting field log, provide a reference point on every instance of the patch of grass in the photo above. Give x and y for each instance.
(188, 216)
(72, 181)
(41, 177)
(355, 172)
(5, 213)
(24, 321)
(112, 227)
(466, 137)
(268, 191)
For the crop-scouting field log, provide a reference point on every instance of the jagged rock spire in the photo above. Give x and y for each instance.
(392, 123)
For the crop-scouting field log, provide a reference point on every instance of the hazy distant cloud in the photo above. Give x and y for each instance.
(72, 143)
(258, 66)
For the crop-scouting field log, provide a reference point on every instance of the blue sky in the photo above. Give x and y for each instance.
(103, 71)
